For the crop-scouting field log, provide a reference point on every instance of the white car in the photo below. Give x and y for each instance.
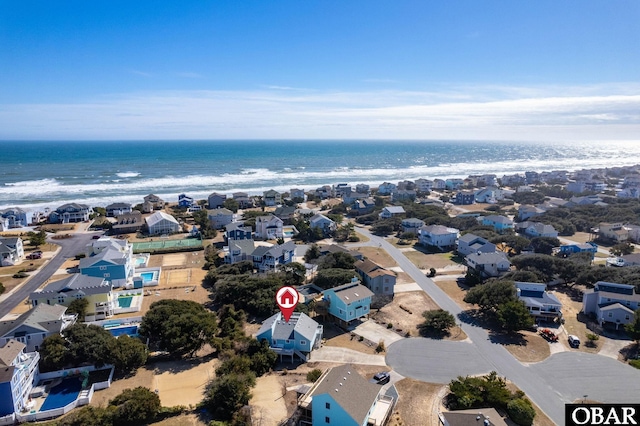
(574, 341)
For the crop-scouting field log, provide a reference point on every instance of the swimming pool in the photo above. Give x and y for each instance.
(140, 261)
(62, 394)
(147, 276)
(125, 302)
(131, 330)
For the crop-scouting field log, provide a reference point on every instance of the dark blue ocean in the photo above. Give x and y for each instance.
(49, 173)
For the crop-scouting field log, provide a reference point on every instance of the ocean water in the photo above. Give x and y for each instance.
(34, 175)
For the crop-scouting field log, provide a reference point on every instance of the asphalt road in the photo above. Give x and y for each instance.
(560, 379)
(69, 248)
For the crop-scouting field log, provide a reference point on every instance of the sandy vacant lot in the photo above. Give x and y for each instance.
(414, 301)
(268, 402)
(180, 382)
(418, 403)
(378, 255)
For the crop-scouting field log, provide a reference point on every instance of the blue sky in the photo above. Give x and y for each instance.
(543, 70)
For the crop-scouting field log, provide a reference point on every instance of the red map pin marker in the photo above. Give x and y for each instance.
(287, 299)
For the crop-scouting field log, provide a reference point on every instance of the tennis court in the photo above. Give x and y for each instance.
(162, 244)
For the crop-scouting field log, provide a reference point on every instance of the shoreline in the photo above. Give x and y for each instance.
(102, 201)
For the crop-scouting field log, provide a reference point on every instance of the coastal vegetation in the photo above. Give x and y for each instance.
(490, 391)
(181, 327)
(496, 299)
(83, 344)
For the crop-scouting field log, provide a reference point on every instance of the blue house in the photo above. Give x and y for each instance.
(349, 302)
(298, 336)
(16, 217)
(109, 259)
(238, 231)
(185, 201)
(18, 374)
(342, 397)
(579, 248)
(499, 223)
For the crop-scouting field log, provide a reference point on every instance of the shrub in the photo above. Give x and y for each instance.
(521, 411)
(432, 272)
(389, 325)
(380, 347)
(20, 275)
(592, 339)
(635, 363)
(314, 374)
(1, 288)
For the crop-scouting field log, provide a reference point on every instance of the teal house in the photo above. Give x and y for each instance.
(110, 259)
(300, 335)
(342, 397)
(349, 302)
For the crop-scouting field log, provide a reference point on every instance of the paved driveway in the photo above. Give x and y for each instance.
(375, 332)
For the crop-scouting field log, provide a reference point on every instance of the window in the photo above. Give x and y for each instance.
(303, 342)
(327, 420)
(327, 405)
(107, 275)
(626, 317)
(610, 314)
(103, 268)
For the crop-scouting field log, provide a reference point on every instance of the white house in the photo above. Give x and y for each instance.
(542, 305)
(612, 303)
(271, 198)
(33, 326)
(470, 243)
(391, 211)
(117, 209)
(386, 188)
(412, 225)
(162, 223)
(70, 213)
(219, 218)
(322, 222)
(11, 251)
(488, 265)
(537, 229)
(438, 236)
(269, 227)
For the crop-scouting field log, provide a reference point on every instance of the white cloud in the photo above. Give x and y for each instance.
(604, 112)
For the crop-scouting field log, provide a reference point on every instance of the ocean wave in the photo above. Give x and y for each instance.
(52, 192)
(128, 174)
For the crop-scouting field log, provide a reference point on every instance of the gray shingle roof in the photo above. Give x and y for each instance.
(352, 292)
(45, 318)
(354, 394)
(283, 330)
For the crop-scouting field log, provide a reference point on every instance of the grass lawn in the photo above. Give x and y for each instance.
(432, 260)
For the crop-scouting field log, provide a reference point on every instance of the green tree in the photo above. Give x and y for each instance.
(314, 375)
(514, 315)
(135, 406)
(521, 411)
(437, 321)
(37, 238)
(53, 353)
(294, 273)
(544, 245)
(127, 354)
(88, 344)
(313, 252)
(329, 278)
(231, 204)
(490, 295)
(340, 260)
(178, 326)
(262, 358)
(227, 394)
(622, 249)
(78, 307)
(633, 328)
